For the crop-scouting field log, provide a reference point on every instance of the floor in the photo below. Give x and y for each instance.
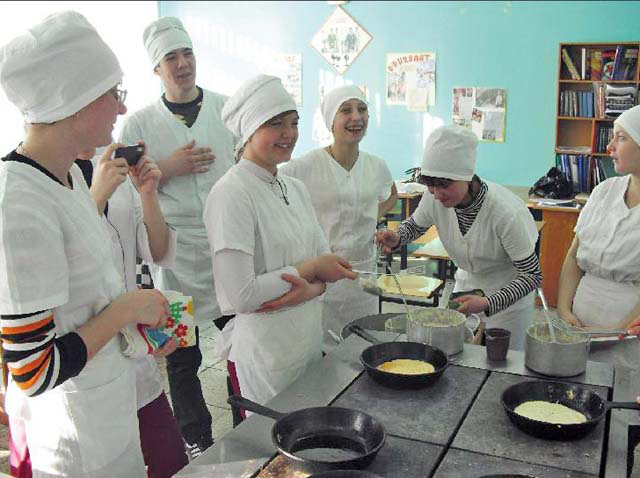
(213, 376)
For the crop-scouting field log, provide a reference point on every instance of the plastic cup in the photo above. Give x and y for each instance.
(497, 343)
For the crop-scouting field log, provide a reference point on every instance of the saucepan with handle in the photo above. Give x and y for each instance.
(573, 396)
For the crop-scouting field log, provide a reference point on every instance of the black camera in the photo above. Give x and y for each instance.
(131, 153)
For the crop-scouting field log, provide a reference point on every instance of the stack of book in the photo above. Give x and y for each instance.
(604, 134)
(576, 103)
(584, 171)
(619, 99)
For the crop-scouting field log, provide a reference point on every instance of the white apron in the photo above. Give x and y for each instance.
(183, 198)
(608, 252)
(270, 350)
(502, 232)
(602, 303)
(87, 426)
(346, 204)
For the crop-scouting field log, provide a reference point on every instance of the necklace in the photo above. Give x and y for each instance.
(350, 166)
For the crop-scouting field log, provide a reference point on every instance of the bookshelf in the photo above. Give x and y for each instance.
(583, 121)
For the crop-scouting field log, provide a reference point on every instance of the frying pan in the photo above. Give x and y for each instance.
(589, 403)
(381, 352)
(344, 474)
(322, 438)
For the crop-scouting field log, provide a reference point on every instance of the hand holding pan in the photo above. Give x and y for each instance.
(322, 438)
(381, 352)
(581, 399)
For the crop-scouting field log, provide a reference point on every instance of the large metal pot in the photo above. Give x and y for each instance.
(565, 358)
(441, 328)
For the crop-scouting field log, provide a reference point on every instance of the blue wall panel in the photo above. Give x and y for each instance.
(512, 45)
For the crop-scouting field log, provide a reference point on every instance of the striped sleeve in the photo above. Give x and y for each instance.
(37, 359)
(409, 231)
(528, 279)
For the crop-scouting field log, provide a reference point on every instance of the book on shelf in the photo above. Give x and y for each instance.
(569, 64)
(596, 65)
(608, 58)
(629, 63)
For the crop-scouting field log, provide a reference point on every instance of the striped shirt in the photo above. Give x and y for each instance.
(529, 274)
(37, 359)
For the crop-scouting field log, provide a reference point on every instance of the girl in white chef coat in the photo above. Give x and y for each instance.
(62, 301)
(350, 189)
(600, 278)
(270, 254)
(487, 231)
(138, 229)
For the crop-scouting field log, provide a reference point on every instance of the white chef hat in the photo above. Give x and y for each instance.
(630, 122)
(256, 102)
(450, 152)
(163, 36)
(57, 67)
(332, 101)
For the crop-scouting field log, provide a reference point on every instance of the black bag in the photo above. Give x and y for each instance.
(553, 186)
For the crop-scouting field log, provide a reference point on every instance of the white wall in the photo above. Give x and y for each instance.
(119, 23)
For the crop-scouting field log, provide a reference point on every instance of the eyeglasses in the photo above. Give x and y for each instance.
(119, 94)
(433, 182)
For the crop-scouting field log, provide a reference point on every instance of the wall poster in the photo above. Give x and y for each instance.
(482, 110)
(288, 67)
(411, 80)
(340, 40)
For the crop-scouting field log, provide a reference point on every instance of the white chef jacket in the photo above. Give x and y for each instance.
(182, 198)
(609, 234)
(270, 350)
(55, 254)
(346, 204)
(125, 222)
(503, 232)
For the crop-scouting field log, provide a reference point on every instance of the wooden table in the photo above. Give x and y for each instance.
(555, 241)
(433, 249)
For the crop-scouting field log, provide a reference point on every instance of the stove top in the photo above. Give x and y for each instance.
(488, 430)
(460, 463)
(398, 458)
(430, 414)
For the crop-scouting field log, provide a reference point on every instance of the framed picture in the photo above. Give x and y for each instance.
(340, 40)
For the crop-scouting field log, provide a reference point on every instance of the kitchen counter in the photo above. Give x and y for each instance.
(444, 430)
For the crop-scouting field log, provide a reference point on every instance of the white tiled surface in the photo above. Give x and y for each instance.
(213, 376)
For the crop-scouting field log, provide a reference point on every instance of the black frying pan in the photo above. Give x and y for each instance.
(589, 403)
(322, 438)
(381, 352)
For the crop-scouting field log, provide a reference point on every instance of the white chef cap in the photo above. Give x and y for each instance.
(163, 36)
(57, 68)
(450, 152)
(256, 102)
(332, 101)
(630, 122)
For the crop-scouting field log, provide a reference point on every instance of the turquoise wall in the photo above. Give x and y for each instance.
(512, 45)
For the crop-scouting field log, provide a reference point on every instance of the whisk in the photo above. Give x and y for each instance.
(557, 323)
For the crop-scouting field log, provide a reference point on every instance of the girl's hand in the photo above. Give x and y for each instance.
(146, 175)
(390, 240)
(472, 304)
(301, 291)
